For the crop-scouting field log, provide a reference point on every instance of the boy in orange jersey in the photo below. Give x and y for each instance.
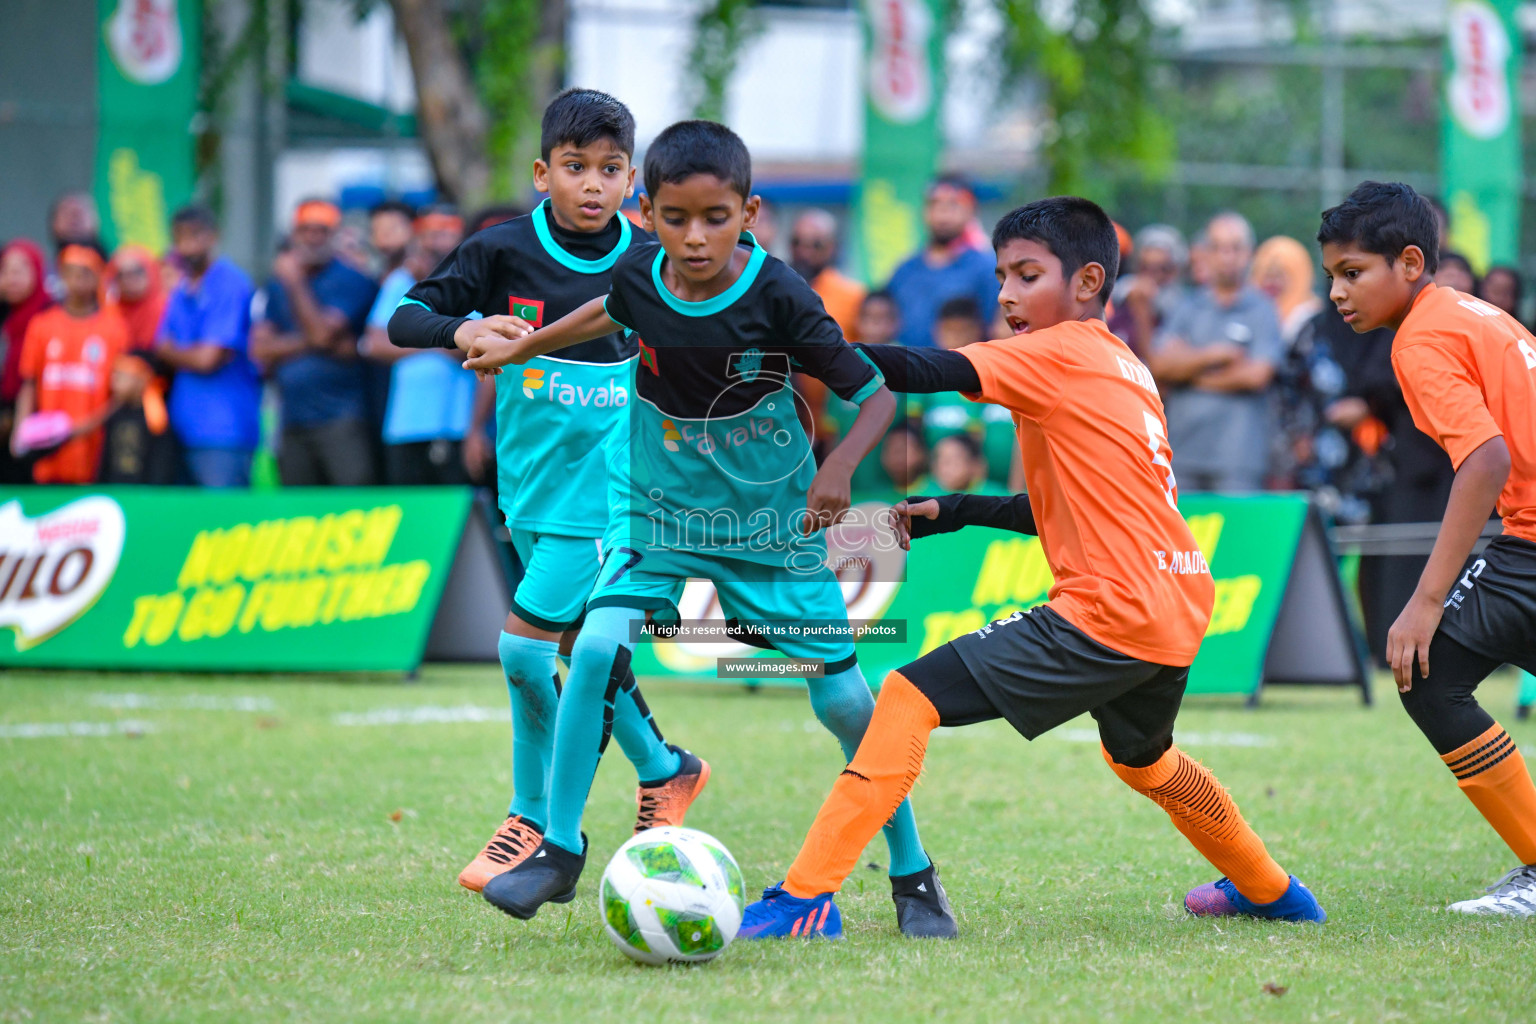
(1132, 595)
(1468, 373)
(66, 369)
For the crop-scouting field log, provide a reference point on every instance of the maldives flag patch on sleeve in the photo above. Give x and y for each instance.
(529, 310)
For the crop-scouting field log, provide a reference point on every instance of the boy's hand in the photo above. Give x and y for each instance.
(501, 326)
(1409, 638)
(489, 351)
(901, 518)
(828, 498)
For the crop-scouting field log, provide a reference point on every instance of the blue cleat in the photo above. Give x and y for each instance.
(779, 915)
(1221, 899)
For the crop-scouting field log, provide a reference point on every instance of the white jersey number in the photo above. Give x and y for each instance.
(1162, 457)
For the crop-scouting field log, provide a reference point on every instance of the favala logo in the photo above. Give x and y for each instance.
(599, 396)
(54, 568)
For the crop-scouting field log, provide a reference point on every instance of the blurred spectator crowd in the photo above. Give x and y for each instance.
(131, 368)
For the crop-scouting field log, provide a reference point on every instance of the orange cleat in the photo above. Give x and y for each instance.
(668, 803)
(512, 844)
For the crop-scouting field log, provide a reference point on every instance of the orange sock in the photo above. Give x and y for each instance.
(882, 773)
(1201, 809)
(1492, 773)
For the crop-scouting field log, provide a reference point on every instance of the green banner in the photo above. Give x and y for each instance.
(959, 582)
(334, 579)
(147, 76)
(1480, 157)
(903, 94)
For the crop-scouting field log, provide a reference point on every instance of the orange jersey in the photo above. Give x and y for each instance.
(1468, 372)
(1099, 474)
(70, 360)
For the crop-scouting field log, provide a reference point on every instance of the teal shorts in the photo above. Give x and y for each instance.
(558, 572)
(749, 591)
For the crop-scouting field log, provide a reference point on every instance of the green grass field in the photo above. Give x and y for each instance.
(183, 848)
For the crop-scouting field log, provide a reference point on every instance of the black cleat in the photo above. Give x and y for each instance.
(549, 875)
(922, 908)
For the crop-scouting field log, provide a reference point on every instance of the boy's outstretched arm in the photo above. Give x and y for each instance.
(1474, 493)
(489, 352)
(921, 516)
(831, 490)
(922, 371)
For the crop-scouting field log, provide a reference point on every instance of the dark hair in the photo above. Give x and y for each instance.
(965, 440)
(1076, 231)
(1452, 256)
(1514, 275)
(912, 427)
(399, 206)
(961, 307)
(1384, 218)
(879, 295)
(579, 117)
(951, 180)
(194, 215)
(698, 147)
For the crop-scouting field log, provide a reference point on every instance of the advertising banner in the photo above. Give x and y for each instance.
(903, 90)
(1480, 159)
(1279, 614)
(334, 579)
(147, 74)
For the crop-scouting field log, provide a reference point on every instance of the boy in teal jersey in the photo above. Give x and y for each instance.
(718, 483)
(551, 422)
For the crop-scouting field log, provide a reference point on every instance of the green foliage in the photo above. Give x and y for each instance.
(502, 38)
(721, 28)
(1093, 60)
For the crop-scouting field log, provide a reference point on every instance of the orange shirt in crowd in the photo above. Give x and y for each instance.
(842, 296)
(69, 359)
(1097, 467)
(1468, 372)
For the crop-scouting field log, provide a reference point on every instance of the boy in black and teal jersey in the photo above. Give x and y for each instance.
(716, 481)
(551, 422)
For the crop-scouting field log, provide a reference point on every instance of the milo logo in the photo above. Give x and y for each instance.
(144, 38)
(53, 568)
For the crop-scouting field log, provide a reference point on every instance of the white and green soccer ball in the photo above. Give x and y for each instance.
(672, 895)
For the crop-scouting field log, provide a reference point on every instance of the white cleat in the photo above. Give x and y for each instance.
(1514, 895)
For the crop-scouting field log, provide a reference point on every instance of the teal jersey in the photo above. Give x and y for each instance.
(554, 413)
(718, 461)
(552, 419)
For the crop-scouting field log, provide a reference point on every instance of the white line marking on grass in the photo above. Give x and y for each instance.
(1184, 739)
(48, 730)
(186, 702)
(426, 714)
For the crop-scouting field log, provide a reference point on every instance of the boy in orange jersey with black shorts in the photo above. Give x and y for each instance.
(1132, 595)
(1468, 373)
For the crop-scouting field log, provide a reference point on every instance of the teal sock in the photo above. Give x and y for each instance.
(843, 704)
(639, 736)
(529, 668)
(585, 720)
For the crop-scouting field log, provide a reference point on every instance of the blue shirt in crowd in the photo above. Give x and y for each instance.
(318, 388)
(430, 393)
(920, 289)
(219, 409)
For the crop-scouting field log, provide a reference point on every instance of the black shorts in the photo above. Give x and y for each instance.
(1037, 670)
(1492, 608)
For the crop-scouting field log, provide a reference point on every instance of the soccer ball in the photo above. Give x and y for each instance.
(672, 895)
